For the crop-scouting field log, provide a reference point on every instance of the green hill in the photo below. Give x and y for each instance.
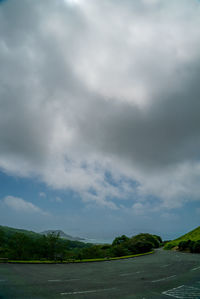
(10, 231)
(20, 244)
(193, 235)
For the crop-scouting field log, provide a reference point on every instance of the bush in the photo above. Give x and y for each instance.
(119, 250)
(184, 245)
(170, 245)
(137, 246)
(2, 237)
(188, 245)
(158, 238)
(147, 238)
(196, 247)
(91, 253)
(120, 240)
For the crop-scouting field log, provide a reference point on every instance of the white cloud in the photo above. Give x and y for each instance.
(74, 1)
(102, 86)
(20, 205)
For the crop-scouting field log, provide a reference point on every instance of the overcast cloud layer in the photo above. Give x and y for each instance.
(103, 97)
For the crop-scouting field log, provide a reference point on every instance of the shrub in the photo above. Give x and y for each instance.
(169, 246)
(139, 246)
(119, 250)
(92, 252)
(120, 240)
(158, 238)
(191, 245)
(147, 238)
(196, 247)
(183, 245)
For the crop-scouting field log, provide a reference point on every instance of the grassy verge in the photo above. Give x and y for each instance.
(79, 261)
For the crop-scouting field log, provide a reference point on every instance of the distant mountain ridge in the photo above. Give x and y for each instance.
(62, 235)
(9, 231)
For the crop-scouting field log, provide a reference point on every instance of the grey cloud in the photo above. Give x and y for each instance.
(112, 84)
(164, 135)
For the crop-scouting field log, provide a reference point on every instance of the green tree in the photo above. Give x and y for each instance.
(158, 238)
(119, 250)
(196, 247)
(147, 238)
(184, 245)
(122, 240)
(53, 247)
(2, 238)
(20, 247)
(92, 252)
(139, 246)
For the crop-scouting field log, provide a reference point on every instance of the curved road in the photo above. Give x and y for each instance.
(164, 274)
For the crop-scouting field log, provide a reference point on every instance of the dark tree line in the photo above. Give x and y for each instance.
(20, 246)
(122, 246)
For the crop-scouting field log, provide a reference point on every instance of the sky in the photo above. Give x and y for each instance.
(99, 116)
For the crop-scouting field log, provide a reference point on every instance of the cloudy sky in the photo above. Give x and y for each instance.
(100, 116)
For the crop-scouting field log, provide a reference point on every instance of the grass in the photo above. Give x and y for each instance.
(79, 261)
(193, 235)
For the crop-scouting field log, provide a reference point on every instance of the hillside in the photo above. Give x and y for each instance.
(62, 235)
(193, 235)
(23, 245)
(20, 244)
(10, 231)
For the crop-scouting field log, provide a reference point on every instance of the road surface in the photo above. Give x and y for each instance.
(164, 274)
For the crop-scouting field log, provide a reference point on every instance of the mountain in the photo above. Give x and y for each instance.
(193, 235)
(10, 231)
(62, 235)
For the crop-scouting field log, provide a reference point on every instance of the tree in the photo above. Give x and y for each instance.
(119, 250)
(147, 238)
(92, 252)
(158, 238)
(20, 247)
(185, 245)
(2, 238)
(53, 248)
(122, 240)
(196, 246)
(140, 246)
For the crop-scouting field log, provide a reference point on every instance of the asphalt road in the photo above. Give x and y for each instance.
(164, 274)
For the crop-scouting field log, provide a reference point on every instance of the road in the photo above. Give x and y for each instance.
(164, 274)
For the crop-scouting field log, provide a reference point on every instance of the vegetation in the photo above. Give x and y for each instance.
(190, 246)
(78, 261)
(189, 242)
(122, 246)
(20, 245)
